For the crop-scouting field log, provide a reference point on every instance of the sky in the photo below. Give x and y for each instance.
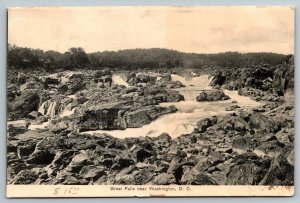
(188, 29)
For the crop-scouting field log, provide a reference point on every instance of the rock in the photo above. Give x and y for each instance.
(269, 148)
(164, 179)
(61, 159)
(34, 115)
(26, 149)
(12, 145)
(50, 81)
(21, 78)
(291, 158)
(164, 138)
(40, 157)
(31, 85)
(173, 84)
(41, 119)
(284, 77)
(212, 95)
(100, 73)
(218, 79)
(78, 162)
(124, 160)
(263, 122)
(233, 123)
(199, 179)
(22, 105)
(105, 116)
(71, 180)
(138, 177)
(25, 177)
(74, 85)
(262, 72)
(232, 107)
(140, 153)
(146, 115)
(92, 172)
(13, 91)
(203, 124)
(17, 127)
(281, 171)
(248, 169)
(177, 167)
(241, 143)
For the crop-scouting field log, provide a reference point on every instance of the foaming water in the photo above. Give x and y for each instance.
(67, 111)
(201, 82)
(118, 80)
(38, 126)
(189, 111)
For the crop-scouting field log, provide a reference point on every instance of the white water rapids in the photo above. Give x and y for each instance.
(189, 111)
(118, 80)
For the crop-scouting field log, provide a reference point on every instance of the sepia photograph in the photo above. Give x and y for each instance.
(150, 101)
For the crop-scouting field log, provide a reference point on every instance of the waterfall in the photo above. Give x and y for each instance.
(42, 108)
(202, 81)
(118, 80)
(51, 109)
(67, 111)
(175, 77)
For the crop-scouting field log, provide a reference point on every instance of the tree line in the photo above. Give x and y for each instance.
(77, 58)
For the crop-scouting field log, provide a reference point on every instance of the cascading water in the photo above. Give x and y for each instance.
(118, 80)
(192, 85)
(51, 112)
(189, 111)
(51, 109)
(67, 111)
(42, 108)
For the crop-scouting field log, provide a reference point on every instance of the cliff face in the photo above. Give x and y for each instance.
(284, 77)
(274, 79)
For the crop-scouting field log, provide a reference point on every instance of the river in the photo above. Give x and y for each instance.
(189, 111)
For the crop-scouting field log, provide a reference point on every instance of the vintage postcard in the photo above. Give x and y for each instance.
(150, 101)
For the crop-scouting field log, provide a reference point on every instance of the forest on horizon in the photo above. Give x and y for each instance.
(131, 59)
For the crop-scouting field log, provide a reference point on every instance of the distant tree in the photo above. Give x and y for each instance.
(24, 57)
(76, 58)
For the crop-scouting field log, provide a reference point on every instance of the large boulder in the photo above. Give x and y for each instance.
(205, 123)
(212, 95)
(248, 169)
(264, 122)
(107, 116)
(283, 78)
(146, 115)
(22, 105)
(17, 127)
(218, 79)
(137, 177)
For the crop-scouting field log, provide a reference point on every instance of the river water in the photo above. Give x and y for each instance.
(189, 111)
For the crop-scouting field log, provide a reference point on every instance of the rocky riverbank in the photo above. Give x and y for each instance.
(246, 146)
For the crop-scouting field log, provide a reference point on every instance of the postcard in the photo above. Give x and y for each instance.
(150, 101)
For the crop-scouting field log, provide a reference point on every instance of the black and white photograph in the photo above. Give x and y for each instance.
(141, 100)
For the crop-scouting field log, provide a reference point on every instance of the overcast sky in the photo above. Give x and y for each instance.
(188, 29)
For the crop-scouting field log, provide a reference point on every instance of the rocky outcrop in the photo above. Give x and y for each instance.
(212, 95)
(270, 79)
(140, 117)
(283, 78)
(241, 148)
(114, 116)
(22, 105)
